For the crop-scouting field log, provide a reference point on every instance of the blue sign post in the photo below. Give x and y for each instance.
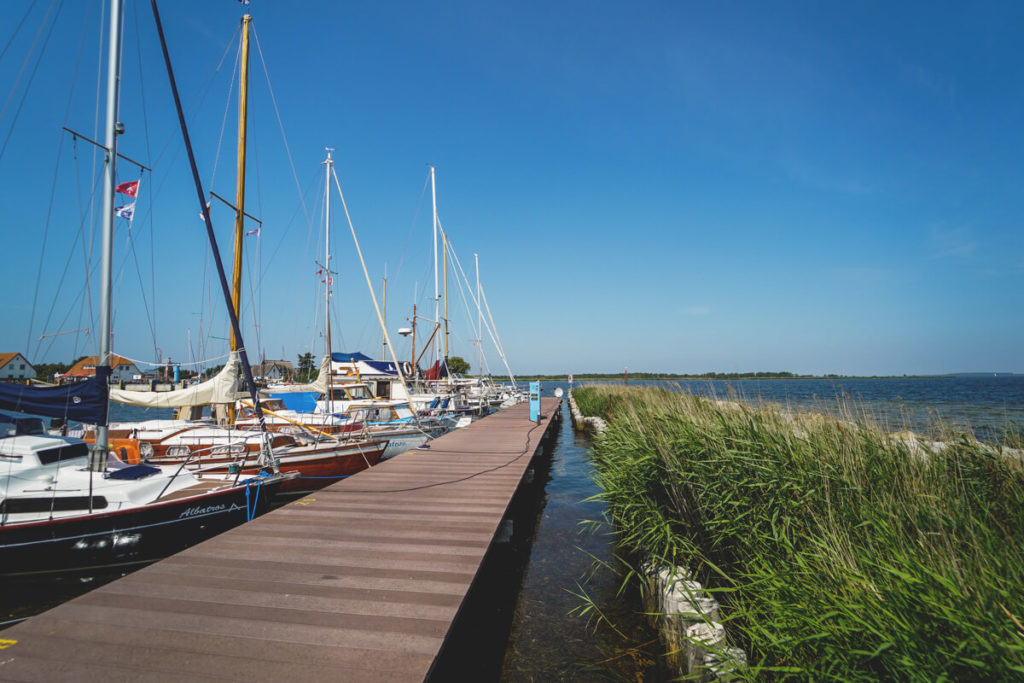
(534, 401)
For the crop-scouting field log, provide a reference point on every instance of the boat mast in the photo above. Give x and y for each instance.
(479, 322)
(243, 111)
(329, 166)
(413, 359)
(444, 243)
(98, 461)
(437, 299)
(384, 305)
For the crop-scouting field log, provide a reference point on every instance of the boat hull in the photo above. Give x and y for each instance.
(123, 538)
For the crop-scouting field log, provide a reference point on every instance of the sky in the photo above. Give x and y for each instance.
(665, 186)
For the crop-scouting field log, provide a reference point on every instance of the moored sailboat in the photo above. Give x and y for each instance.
(66, 506)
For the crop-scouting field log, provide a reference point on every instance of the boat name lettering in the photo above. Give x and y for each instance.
(193, 512)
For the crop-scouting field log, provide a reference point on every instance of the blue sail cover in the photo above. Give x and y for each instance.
(385, 367)
(83, 401)
(342, 357)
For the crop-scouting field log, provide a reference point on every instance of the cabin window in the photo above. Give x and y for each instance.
(383, 389)
(12, 506)
(49, 456)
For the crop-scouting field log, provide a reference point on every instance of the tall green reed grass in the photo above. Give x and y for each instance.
(838, 551)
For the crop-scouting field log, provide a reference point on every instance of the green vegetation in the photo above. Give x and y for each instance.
(458, 365)
(838, 552)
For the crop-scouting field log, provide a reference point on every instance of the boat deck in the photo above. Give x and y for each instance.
(359, 581)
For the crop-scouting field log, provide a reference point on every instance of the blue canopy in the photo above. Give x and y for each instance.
(342, 357)
(82, 401)
(299, 401)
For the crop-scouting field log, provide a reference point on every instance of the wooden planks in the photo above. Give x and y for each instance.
(359, 581)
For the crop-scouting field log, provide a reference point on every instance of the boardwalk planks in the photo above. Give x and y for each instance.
(358, 581)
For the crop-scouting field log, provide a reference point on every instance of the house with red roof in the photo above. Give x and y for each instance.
(15, 366)
(121, 369)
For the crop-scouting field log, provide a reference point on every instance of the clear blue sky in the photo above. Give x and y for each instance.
(668, 186)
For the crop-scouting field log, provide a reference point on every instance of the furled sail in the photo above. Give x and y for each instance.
(82, 401)
(319, 385)
(221, 388)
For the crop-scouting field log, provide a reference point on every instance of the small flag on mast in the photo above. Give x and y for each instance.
(130, 188)
(125, 211)
(255, 231)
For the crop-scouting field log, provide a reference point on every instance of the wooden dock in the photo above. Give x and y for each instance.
(359, 581)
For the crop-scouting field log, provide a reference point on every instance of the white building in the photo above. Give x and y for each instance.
(14, 366)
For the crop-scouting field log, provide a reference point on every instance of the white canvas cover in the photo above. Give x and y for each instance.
(221, 388)
(319, 385)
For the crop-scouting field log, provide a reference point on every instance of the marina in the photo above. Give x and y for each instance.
(364, 577)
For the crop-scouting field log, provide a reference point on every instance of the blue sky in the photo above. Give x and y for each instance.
(668, 186)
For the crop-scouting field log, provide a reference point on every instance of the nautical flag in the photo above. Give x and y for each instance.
(201, 216)
(125, 211)
(131, 188)
(253, 232)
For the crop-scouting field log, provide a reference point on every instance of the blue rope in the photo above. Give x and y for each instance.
(250, 514)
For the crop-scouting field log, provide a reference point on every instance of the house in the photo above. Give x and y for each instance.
(121, 369)
(14, 366)
(273, 370)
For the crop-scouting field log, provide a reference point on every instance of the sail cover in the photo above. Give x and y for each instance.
(221, 388)
(82, 401)
(343, 357)
(317, 386)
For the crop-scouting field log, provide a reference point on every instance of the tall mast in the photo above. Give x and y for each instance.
(98, 461)
(433, 196)
(383, 337)
(444, 244)
(479, 322)
(243, 112)
(329, 166)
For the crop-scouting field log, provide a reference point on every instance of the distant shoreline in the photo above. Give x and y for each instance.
(640, 376)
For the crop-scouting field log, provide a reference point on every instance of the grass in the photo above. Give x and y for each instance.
(838, 551)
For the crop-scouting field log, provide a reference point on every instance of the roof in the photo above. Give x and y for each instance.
(6, 358)
(87, 366)
(268, 365)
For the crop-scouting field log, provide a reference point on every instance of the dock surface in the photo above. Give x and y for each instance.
(359, 581)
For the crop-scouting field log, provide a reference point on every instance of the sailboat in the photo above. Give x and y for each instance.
(319, 457)
(66, 506)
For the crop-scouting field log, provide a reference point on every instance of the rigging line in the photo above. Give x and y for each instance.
(412, 226)
(56, 171)
(160, 363)
(17, 29)
(277, 112)
(138, 271)
(73, 306)
(227, 107)
(28, 86)
(197, 100)
(149, 156)
(67, 265)
(284, 235)
(27, 60)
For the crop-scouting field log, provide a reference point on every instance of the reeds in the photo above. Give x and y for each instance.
(838, 551)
